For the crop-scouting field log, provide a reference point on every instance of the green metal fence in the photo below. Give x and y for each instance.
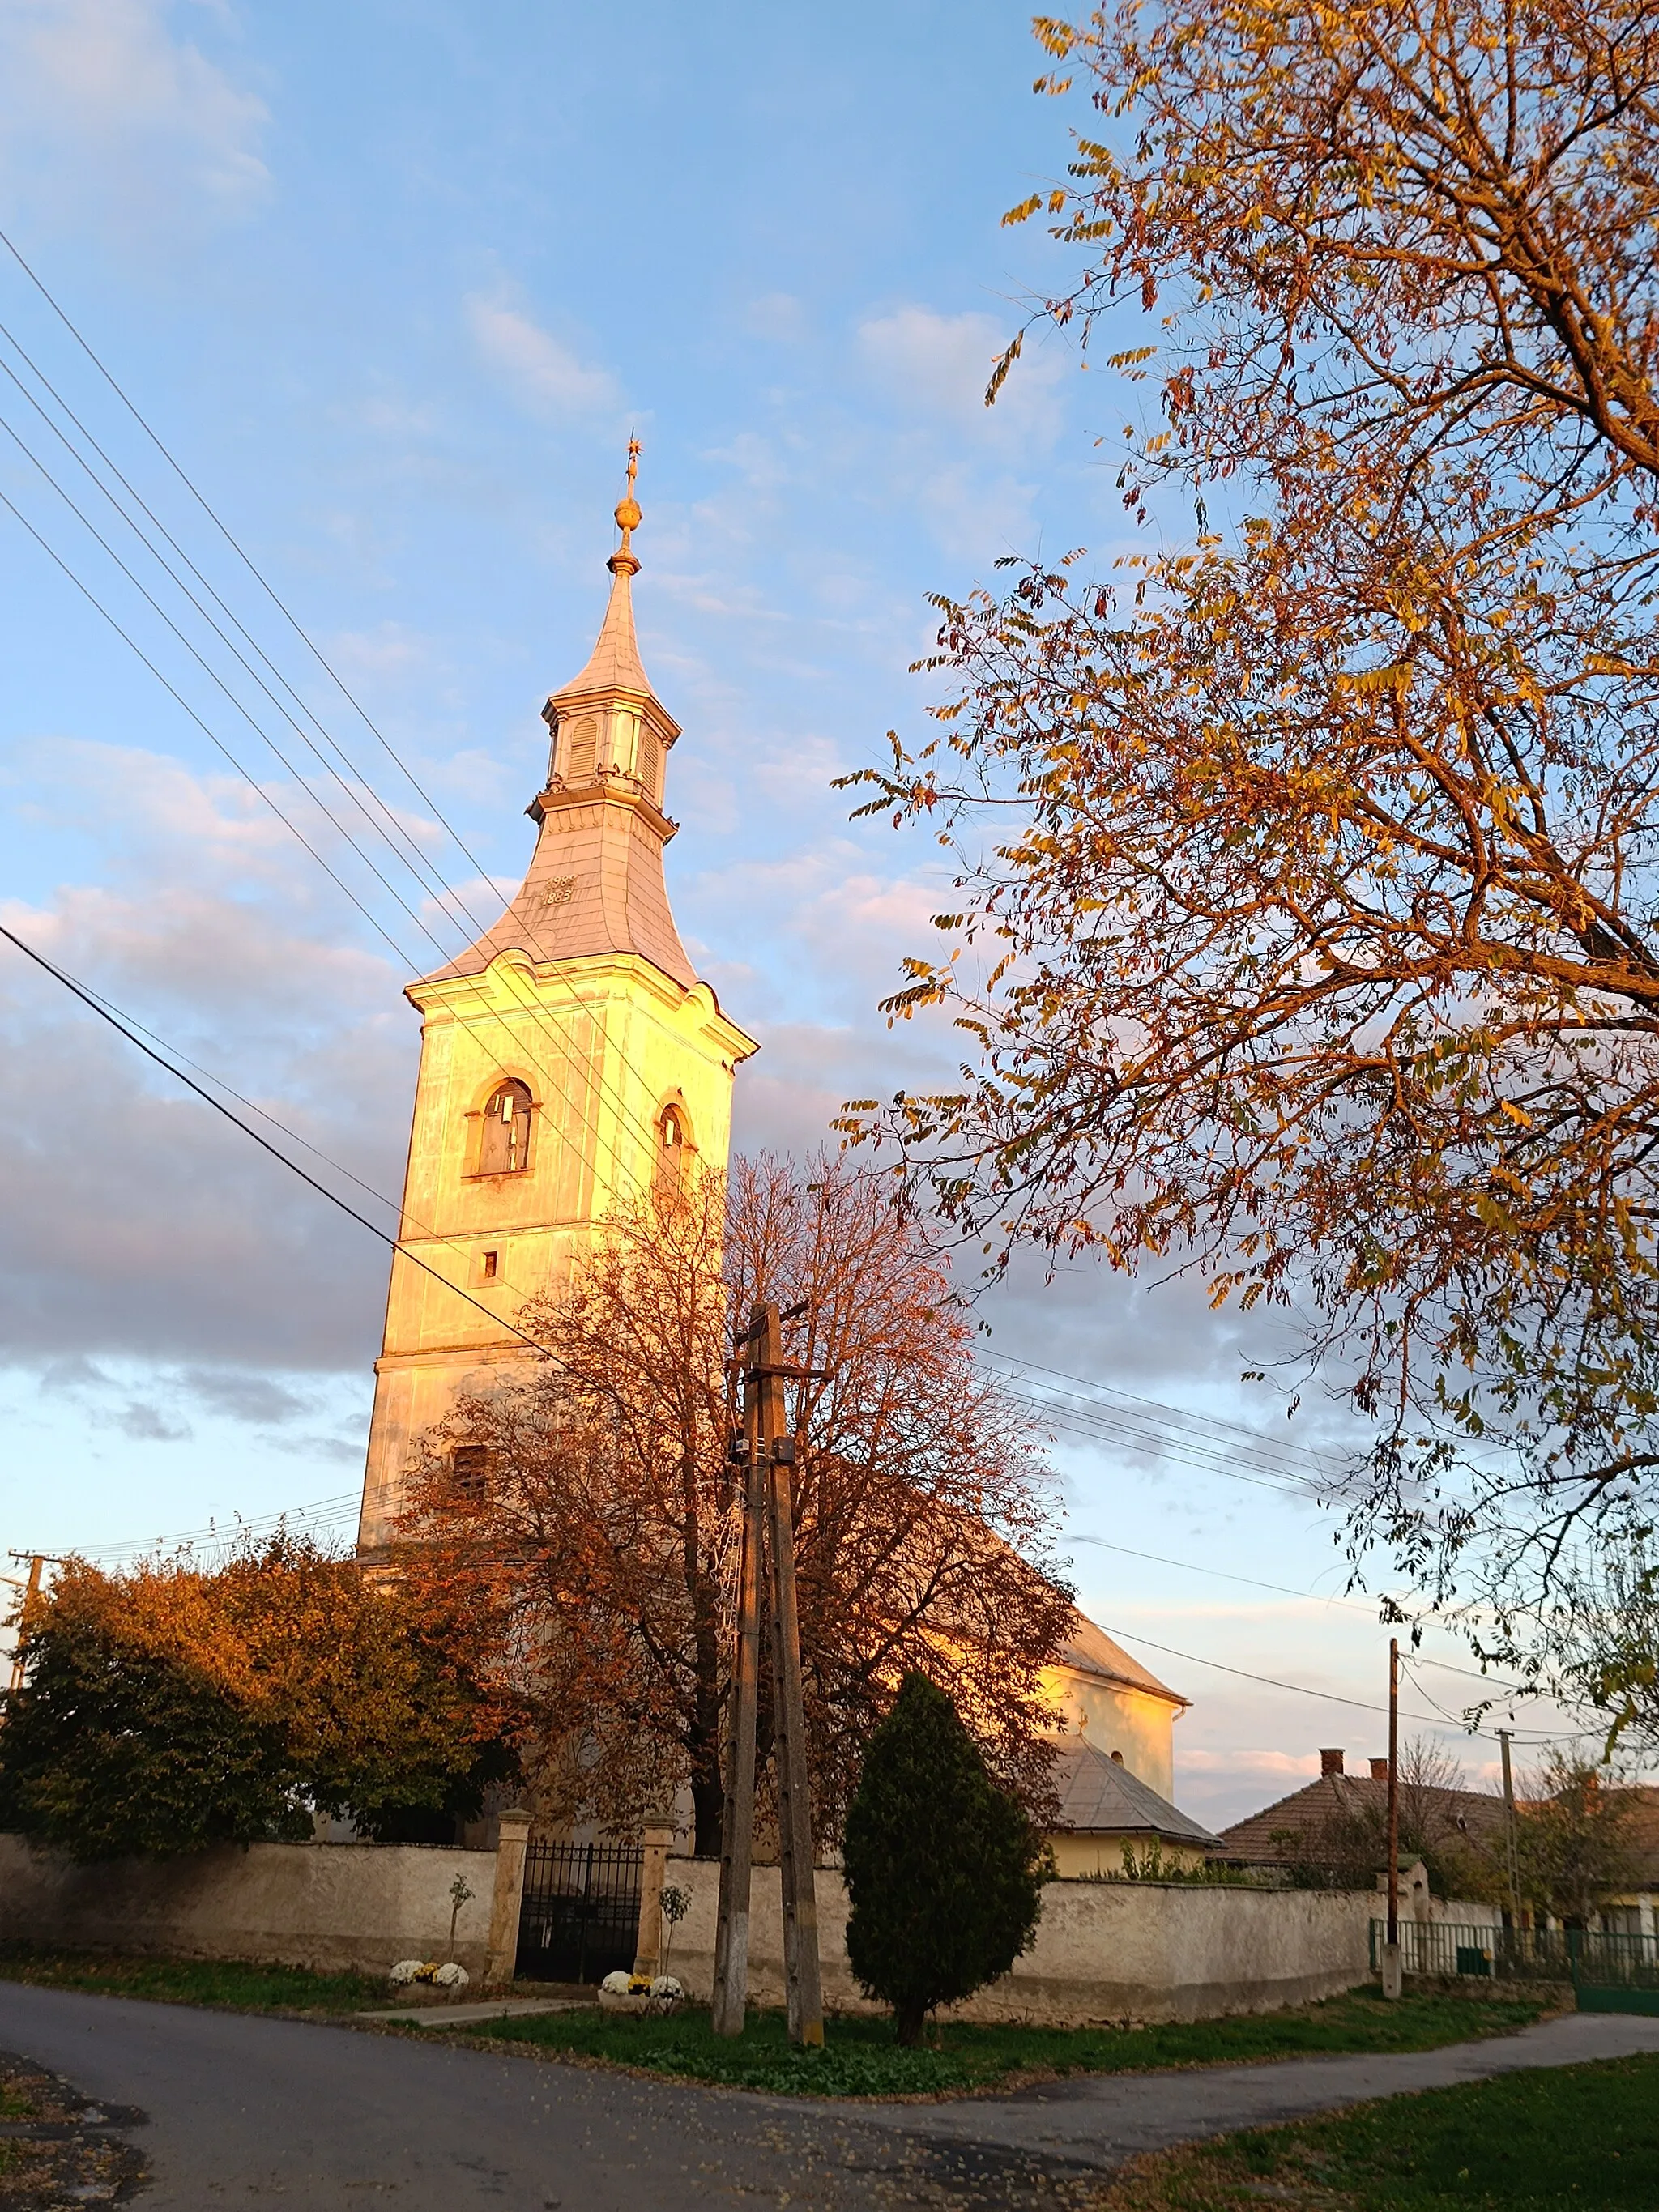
(1592, 1961)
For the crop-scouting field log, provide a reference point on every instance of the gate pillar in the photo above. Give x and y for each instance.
(506, 1898)
(659, 1841)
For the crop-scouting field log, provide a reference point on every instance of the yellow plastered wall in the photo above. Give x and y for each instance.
(603, 1044)
(1080, 1857)
(1118, 1717)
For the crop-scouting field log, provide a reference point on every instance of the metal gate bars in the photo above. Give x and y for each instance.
(580, 1918)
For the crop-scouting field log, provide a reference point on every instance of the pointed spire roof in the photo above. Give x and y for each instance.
(614, 665)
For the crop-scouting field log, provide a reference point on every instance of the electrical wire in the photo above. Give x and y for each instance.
(1079, 1422)
(279, 604)
(1304, 1690)
(1307, 1597)
(176, 1053)
(264, 1143)
(398, 950)
(538, 1013)
(1204, 1420)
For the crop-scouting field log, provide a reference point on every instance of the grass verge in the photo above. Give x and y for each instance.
(224, 1982)
(1556, 2140)
(860, 2058)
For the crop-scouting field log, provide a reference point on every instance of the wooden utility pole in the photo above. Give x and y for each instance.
(731, 1995)
(800, 1910)
(1391, 1966)
(766, 1452)
(30, 1589)
(1511, 1841)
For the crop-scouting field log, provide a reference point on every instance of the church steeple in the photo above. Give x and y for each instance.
(595, 884)
(614, 668)
(570, 1060)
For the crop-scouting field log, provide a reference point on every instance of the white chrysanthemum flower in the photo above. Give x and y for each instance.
(615, 1985)
(452, 1977)
(405, 1971)
(667, 1986)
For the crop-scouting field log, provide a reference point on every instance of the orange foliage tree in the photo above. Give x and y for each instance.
(596, 1560)
(1307, 863)
(176, 1705)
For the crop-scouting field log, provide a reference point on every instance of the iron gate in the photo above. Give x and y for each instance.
(580, 1919)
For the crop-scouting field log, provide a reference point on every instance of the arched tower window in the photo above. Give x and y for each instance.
(505, 1145)
(673, 1148)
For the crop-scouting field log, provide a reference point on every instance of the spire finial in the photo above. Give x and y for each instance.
(628, 517)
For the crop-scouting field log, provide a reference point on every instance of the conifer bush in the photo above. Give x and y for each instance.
(945, 1868)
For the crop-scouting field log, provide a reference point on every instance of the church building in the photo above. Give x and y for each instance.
(570, 1058)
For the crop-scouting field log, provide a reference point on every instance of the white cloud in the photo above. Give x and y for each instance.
(544, 372)
(939, 366)
(107, 112)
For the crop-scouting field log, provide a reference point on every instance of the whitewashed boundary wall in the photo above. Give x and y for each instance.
(331, 1907)
(1105, 1951)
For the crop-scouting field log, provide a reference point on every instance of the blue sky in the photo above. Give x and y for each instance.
(394, 283)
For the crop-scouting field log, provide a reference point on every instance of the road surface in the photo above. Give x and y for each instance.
(244, 2110)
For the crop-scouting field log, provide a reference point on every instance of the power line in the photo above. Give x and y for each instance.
(1302, 1689)
(323, 1513)
(1205, 1420)
(293, 1135)
(585, 1086)
(1307, 1597)
(572, 1088)
(1100, 1428)
(534, 1009)
(278, 603)
(264, 1143)
(398, 950)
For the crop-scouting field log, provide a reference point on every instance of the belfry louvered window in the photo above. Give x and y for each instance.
(582, 750)
(650, 763)
(505, 1146)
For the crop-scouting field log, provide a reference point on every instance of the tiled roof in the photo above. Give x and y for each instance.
(1098, 1797)
(1305, 1812)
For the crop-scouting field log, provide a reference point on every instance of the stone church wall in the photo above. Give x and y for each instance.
(331, 1907)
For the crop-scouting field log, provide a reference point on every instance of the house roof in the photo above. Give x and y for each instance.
(1099, 1797)
(1278, 1835)
(1091, 1651)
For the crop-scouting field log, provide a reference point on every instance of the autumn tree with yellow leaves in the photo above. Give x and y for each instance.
(181, 1703)
(1305, 930)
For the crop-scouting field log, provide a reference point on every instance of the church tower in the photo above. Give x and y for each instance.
(568, 1058)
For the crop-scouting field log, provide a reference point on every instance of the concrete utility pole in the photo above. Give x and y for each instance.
(1511, 1841)
(1392, 1975)
(766, 1451)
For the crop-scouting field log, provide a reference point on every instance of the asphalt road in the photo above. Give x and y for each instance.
(244, 2112)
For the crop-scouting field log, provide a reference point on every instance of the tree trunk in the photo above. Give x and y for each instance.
(908, 2022)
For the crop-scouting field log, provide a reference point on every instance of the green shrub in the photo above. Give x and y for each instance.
(944, 1869)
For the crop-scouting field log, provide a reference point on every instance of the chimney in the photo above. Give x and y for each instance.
(1330, 1762)
(1379, 1770)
